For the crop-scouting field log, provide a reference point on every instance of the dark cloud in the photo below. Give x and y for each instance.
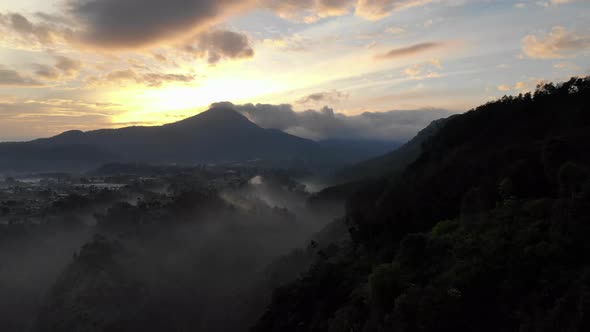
(160, 57)
(130, 24)
(410, 50)
(150, 79)
(220, 44)
(333, 5)
(64, 68)
(327, 124)
(121, 75)
(9, 77)
(56, 19)
(69, 67)
(20, 25)
(326, 96)
(158, 79)
(134, 23)
(47, 72)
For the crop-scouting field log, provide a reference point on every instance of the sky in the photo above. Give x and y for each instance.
(376, 69)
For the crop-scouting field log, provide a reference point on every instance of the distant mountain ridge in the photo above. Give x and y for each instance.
(393, 162)
(219, 135)
(352, 178)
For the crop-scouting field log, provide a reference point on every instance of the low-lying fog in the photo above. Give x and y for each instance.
(180, 260)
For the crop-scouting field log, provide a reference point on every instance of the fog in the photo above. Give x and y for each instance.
(30, 262)
(175, 260)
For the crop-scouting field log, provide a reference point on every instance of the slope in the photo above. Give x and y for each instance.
(485, 231)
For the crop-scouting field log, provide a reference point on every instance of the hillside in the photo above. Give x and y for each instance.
(486, 231)
(391, 163)
(349, 179)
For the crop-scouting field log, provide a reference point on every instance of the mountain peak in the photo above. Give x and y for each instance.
(217, 117)
(221, 112)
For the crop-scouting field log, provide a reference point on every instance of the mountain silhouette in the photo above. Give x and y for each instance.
(219, 135)
(391, 163)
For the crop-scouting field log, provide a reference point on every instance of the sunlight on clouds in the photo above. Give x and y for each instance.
(153, 105)
(351, 55)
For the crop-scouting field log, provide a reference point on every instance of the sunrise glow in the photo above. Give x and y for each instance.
(352, 57)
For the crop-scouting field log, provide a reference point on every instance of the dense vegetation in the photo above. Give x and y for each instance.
(486, 231)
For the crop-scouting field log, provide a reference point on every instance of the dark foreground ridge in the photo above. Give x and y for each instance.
(486, 231)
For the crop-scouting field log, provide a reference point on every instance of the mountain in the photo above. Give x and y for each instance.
(219, 135)
(349, 179)
(487, 230)
(392, 162)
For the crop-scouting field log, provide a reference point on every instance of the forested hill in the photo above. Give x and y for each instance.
(391, 163)
(486, 231)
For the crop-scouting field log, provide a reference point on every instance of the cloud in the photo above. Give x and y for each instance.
(159, 79)
(131, 24)
(410, 50)
(64, 68)
(378, 9)
(326, 96)
(47, 72)
(87, 28)
(220, 44)
(160, 57)
(27, 119)
(424, 70)
(504, 88)
(308, 11)
(21, 31)
(149, 79)
(327, 124)
(134, 24)
(68, 67)
(558, 43)
(12, 78)
(22, 25)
